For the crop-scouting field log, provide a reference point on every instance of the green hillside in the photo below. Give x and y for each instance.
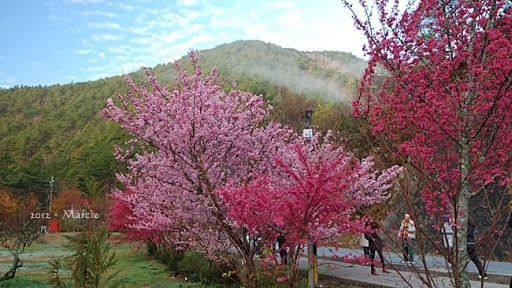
(60, 131)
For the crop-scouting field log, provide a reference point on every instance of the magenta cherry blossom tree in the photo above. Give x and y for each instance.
(312, 193)
(446, 106)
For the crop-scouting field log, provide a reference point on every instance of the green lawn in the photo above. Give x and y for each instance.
(136, 269)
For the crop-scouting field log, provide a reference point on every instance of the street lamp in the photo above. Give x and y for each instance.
(312, 253)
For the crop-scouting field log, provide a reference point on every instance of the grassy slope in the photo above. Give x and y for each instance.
(136, 269)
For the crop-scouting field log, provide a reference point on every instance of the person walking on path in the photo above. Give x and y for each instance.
(471, 247)
(363, 242)
(447, 233)
(448, 238)
(407, 235)
(281, 242)
(375, 244)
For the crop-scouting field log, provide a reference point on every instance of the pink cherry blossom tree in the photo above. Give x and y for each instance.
(191, 138)
(312, 193)
(445, 104)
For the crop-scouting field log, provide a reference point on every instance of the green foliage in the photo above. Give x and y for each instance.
(216, 274)
(23, 282)
(55, 277)
(170, 257)
(192, 264)
(92, 262)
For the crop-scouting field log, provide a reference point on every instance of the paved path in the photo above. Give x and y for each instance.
(499, 272)
(493, 267)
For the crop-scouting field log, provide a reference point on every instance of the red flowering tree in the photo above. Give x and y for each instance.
(311, 193)
(190, 139)
(446, 103)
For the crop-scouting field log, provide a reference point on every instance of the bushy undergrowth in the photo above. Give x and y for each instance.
(194, 266)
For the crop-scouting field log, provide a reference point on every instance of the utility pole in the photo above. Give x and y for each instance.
(312, 269)
(51, 194)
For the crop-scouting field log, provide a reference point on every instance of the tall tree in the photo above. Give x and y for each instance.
(446, 105)
(311, 194)
(191, 138)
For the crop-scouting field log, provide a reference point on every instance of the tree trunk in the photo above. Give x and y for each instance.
(462, 210)
(12, 272)
(250, 267)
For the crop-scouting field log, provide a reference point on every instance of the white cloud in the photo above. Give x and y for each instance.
(72, 77)
(100, 13)
(152, 11)
(291, 19)
(254, 28)
(105, 37)
(178, 48)
(171, 38)
(101, 54)
(202, 39)
(143, 58)
(100, 76)
(271, 37)
(125, 6)
(189, 2)
(83, 51)
(279, 4)
(194, 28)
(138, 30)
(173, 19)
(83, 2)
(106, 25)
(4, 87)
(253, 15)
(131, 66)
(117, 49)
(142, 40)
(216, 11)
(191, 15)
(171, 59)
(219, 23)
(93, 69)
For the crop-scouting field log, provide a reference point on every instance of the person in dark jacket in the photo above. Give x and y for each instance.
(281, 241)
(375, 244)
(471, 247)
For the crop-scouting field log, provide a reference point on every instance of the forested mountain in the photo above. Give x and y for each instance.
(60, 131)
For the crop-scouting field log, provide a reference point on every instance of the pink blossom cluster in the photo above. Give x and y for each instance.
(208, 170)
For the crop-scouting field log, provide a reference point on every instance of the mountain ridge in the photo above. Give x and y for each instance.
(59, 130)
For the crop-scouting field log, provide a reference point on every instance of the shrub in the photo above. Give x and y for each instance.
(191, 264)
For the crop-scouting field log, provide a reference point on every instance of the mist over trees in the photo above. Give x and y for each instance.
(59, 130)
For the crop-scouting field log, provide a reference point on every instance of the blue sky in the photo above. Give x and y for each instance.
(45, 42)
